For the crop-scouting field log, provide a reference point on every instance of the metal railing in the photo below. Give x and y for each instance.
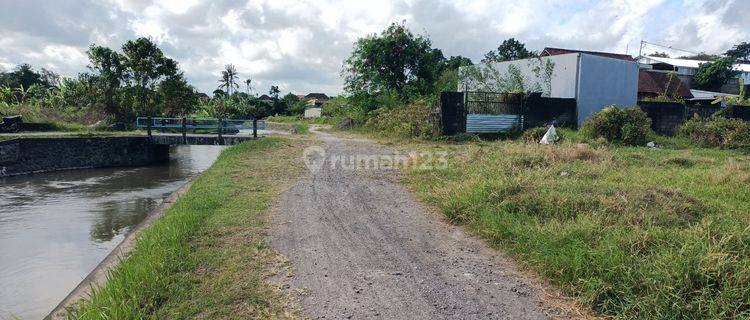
(195, 123)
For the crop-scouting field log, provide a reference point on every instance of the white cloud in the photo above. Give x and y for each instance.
(300, 45)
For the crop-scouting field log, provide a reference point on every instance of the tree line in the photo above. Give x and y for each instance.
(137, 80)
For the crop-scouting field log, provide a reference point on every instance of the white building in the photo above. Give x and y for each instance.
(595, 81)
(685, 68)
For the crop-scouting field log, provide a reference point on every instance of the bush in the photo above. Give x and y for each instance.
(411, 120)
(718, 132)
(630, 126)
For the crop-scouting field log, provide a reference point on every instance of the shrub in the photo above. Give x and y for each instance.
(718, 132)
(630, 126)
(411, 120)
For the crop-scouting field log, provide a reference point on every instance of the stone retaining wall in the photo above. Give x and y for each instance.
(31, 155)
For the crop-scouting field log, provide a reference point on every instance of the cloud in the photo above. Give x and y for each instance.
(300, 45)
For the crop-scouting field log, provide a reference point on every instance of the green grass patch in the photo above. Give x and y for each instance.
(633, 232)
(206, 257)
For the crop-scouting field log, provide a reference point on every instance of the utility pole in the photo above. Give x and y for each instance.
(640, 48)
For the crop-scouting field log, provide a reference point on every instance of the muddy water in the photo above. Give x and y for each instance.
(56, 227)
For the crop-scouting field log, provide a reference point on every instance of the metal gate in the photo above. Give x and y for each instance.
(493, 112)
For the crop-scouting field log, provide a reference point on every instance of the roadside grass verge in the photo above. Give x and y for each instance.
(206, 257)
(633, 232)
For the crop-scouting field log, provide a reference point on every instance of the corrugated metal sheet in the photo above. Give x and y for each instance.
(492, 123)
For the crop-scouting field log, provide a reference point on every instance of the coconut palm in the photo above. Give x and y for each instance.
(247, 84)
(228, 80)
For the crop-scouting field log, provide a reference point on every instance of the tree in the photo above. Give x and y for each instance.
(700, 56)
(178, 98)
(740, 52)
(147, 66)
(396, 60)
(228, 80)
(713, 75)
(274, 92)
(510, 49)
(25, 76)
(659, 54)
(110, 74)
(454, 62)
(248, 86)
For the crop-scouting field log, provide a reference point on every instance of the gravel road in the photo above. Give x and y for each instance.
(362, 247)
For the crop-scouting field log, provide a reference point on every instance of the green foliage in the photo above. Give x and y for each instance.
(486, 77)
(411, 120)
(396, 61)
(632, 233)
(24, 76)
(228, 80)
(630, 126)
(510, 49)
(191, 262)
(713, 75)
(740, 51)
(718, 132)
(146, 66)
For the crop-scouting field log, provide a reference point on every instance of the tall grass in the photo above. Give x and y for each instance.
(205, 257)
(633, 232)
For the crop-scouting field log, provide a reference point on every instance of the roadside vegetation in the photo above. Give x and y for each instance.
(632, 231)
(206, 257)
(137, 80)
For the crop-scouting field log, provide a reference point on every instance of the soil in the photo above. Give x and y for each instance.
(362, 247)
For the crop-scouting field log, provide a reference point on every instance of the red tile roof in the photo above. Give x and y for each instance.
(549, 51)
(657, 83)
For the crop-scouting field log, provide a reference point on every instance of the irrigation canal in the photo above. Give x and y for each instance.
(56, 227)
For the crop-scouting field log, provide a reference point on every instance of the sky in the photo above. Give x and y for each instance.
(301, 45)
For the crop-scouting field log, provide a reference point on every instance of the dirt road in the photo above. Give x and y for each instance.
(362, 247)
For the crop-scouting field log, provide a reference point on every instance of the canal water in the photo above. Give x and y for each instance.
(56, 227)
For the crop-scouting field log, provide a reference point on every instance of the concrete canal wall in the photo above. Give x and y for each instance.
(31, 155)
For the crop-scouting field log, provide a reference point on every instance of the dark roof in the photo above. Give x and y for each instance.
(549, 51)
(654, 82)
(322, 96)
(265, 97)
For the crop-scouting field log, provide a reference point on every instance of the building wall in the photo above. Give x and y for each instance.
(23, 156)
(603, 82)
(595, 81)
(313, 112)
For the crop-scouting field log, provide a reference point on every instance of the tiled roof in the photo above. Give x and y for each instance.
(657, 83)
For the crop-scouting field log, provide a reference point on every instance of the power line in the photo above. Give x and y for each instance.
(666, 47)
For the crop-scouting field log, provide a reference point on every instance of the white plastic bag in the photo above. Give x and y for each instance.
(550, 137)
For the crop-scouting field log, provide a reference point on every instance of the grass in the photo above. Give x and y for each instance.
(206, 258)
(632, 232)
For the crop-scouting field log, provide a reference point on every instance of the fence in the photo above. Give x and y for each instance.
(667, 117)
(492, 112)
(226, 125)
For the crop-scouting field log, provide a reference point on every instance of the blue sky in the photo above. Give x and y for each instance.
(300, 45)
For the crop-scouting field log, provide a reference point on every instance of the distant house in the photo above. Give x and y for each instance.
(316, 99)
(653, 84)
(315, 103)
(686, 69)
(266, 98)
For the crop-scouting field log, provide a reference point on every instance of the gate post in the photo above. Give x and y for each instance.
(221, 140)
(255, 127)
(184, 130)
(148, 125)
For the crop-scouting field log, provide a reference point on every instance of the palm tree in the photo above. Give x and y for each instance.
(247, 83)
(228, 80)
